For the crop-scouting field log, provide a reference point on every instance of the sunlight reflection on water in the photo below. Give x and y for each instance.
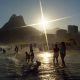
(47, 71)
(45, 56)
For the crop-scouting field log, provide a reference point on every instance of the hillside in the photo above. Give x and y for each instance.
(13, 31)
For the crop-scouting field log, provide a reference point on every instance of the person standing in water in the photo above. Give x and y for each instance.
(27, 57)
(16, 49)
(63, 53)
(56, 54)
(32, 53)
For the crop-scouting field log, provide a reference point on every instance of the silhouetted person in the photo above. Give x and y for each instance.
(4, 51)
(27, 57)
(56, 54)
(16, 49)
(63, 53)
(32, 53)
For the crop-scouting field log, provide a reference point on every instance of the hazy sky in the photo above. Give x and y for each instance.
(30, 10)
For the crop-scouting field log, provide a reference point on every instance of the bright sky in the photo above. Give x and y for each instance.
(52, 9)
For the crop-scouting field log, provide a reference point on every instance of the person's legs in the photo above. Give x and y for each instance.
(57, 55)
(26, 60)
(57, 61)
(62, 58)
(63, 61)
(54, 60)
(32, 57)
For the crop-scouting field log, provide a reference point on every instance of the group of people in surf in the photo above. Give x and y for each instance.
(59, 50)
(30, 57)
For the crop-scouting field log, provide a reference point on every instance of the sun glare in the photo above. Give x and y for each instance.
(44, 22)
(45, 56)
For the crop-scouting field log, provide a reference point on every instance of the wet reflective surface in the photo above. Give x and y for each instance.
(47, 70)
(10, 68)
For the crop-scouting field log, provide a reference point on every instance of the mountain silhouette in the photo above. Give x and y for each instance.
(14, 31)
(14, 21)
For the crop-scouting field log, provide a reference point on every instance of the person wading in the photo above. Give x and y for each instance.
(56, 54)
(32, 53)
(63, 53)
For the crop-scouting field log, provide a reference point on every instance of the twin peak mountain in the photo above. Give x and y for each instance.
(13, 31)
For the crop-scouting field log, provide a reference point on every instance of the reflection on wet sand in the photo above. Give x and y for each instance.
(45, 57)
(47, 70)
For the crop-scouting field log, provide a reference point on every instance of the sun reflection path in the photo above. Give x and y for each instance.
(45, 57)
(44, 23)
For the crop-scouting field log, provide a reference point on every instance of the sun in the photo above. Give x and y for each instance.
(43, 22)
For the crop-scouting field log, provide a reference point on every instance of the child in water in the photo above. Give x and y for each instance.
(27, 57)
